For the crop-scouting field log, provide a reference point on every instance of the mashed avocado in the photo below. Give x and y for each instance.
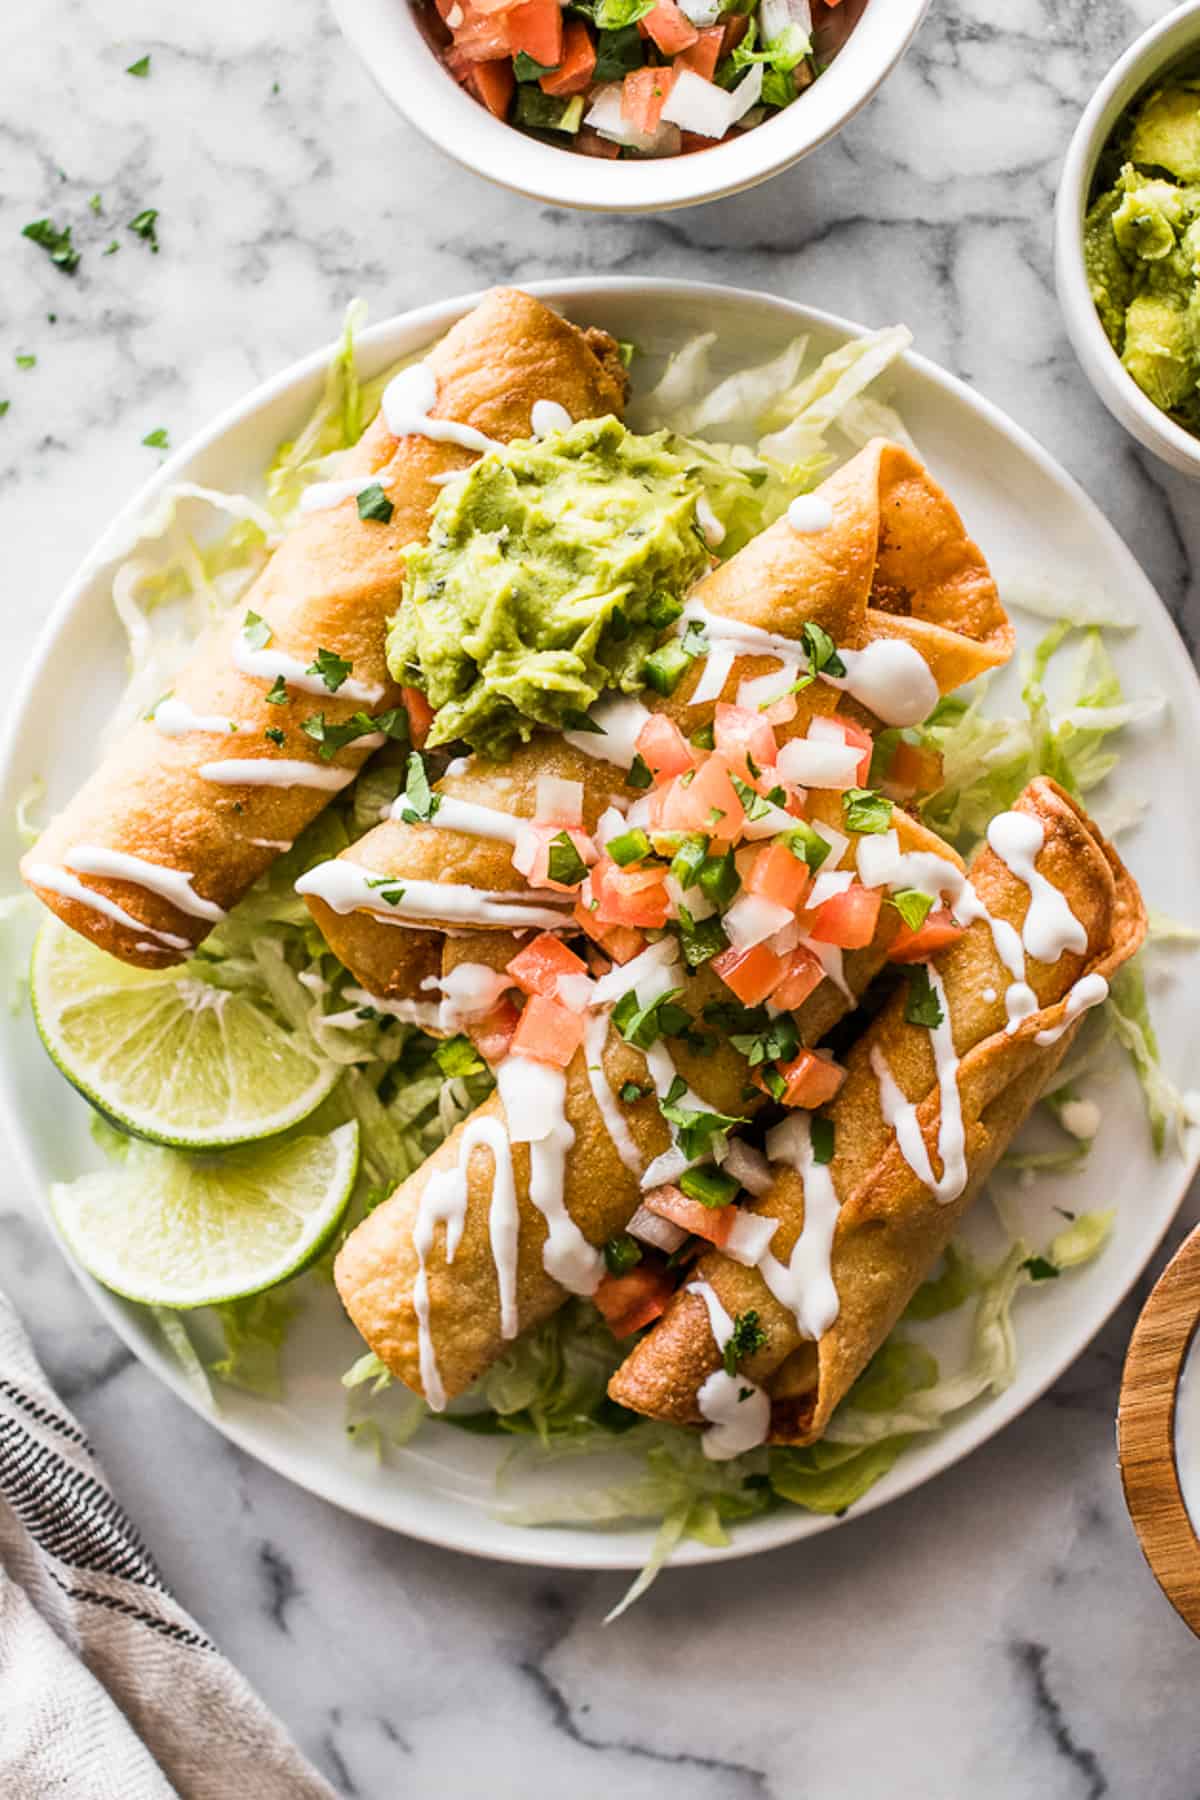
(549, 573)
(1142, 248)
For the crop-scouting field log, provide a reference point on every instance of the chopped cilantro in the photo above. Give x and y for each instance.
(773, 1040)
(24, 360)
(773, 1081)
(420, 802)
(457, 1056)
(694, 1128)
(112, 248)
(4, 406)
(157, 439)
(922, 1006)
(746, 1339)
(563, 861)
(581, 721)
(913, 906)
(373, 503)
(140, 67)
(865, 811)
(1040, 1269)
(622, 1253)
(821, 650)
(821, 1136)
(644, 1025)
(527, 68)
(700, 940)
(333, 738)
(632, 1092)
(275, 734)
(331, 668)
(639, 775)
(145, 225)
(753, 804)
(96, 203)
(806, 844)
(389, 890)
(256, 631)
(57, 244)
(277, 695)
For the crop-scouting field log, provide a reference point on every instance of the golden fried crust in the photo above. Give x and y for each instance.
(890, 1228)
(333, 583)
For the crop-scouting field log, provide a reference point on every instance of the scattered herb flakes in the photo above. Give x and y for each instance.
(96, 204)
(256, 631)
(865, 811)
(1041, 1269)
(145, 225)
(112, 249)
(632, 1092)
(277, 693)
(621, 1253)
(373, 503)
(420, 802)
(563, 861)
(746, 1339)
(24, 360)
(922, 1006)
(331, 668)
(57, 244)
(4, 406)
(140, 68)
(821, 1136)
(275, 735)
(157, 439)
(821, 650)
(913, 906)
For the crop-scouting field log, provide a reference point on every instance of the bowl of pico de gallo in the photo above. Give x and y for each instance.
(629, 105)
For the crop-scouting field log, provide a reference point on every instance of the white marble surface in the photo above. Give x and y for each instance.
(996, 1634)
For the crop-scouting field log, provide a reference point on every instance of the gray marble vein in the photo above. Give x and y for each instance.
(994, 1635)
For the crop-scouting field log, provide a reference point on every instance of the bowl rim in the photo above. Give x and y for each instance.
(463, 130)
(972, 1431)
(1133, 71)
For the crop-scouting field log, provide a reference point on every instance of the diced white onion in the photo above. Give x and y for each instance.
(575, 991)
(776, 15)
(694, 898)
(811, 763)
(639, 815)
(701, 12)
(650, 1229)
(837, 841)
(773, 821)
(827, 886)
(658, 960)
(525, 850)
(752, 920)
(750, 1236)
(700, 106)
(610, 824)
(825, 731)
(719, 662)
(559, 802)
(749, 1166)
(784, 942)
(761, 688)
(605, 116)
(878, 857)
(665, 1169)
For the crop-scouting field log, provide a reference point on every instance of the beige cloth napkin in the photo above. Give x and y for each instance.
(109, 1690)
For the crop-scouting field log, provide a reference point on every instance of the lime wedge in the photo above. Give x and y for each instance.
(171, 1229)
(167, 1055)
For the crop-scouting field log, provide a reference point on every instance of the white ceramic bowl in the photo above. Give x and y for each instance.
(387, 37)
(1172, 40)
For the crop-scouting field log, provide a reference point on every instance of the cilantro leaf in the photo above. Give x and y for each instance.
(821, 1136)
(806, 844)
(145, 225)
(700, 940)
(1040, 1269)
(256, 631)
(695, 1127)
(865, 811)
(373, 503)
(563, 861)
(140, 67)
(622, 1253)
(821, 650)
(632, 1092)
(644, 1025)
(527, 68)
(776, 1040)
(639, 775)
(333, 738)
(581, 721)
(420, 802)
(746, 1339)
(389, 889)
(277, 695)
(157, 439)
(913, 906)
(922, 1006)
(57, 244)
(275, 735)
(331, 668)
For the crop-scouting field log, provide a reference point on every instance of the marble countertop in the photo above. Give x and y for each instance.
(995, 1634)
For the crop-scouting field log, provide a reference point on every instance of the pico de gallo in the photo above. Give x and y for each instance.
(637, 78)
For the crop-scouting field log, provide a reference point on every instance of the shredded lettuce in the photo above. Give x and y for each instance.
(254, 1331)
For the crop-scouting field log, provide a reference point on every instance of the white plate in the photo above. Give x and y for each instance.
(1039, 530)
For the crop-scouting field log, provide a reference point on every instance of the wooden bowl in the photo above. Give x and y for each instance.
(1154, 1364)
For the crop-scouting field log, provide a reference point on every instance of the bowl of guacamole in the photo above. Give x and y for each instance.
(1127, 247)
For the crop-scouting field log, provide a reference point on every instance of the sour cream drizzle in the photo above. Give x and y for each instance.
(468, 816)
(534, 1097)
(280, 772)
(170, 884)
(888, 676)
(175, 718)
(268, 664)
(59, 881)
(805, 1283)
(348, 887)
(738, 1412)
(406, 405)
(1088, 991)
(547, 416)
(595, 1037)
(1050, 927)
(322, 494)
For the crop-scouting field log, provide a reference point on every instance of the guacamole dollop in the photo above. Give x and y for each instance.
(1142, 248)
(550, 571)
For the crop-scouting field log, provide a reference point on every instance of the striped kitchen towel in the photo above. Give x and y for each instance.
(109, 1690)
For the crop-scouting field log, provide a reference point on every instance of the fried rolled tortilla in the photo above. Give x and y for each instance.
(903, 1171)
(894, 567)
(433, 1309)
(185, 813)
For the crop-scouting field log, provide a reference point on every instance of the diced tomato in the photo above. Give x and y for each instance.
(537, 967)
(590, 143)
(812, 1080)
(536, 27)
(938, 931)
(420, 714)
(548, 1031)
(708, 803)
(750, 974)
(620, 941)
(574, 72)
(644, 93)
(744, 738)
(669, 29)
(777, 875)
(636, 897)
(848, 920)
(712, 1222)
(802, 976)
(493, 1033)
(479, 36)
(861, 740)
(913, 770)
(494, 82)
(661, 745)
(630, 1301)
(702, 58)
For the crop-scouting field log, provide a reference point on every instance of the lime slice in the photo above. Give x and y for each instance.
(171, 1229)
(167, 1055)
